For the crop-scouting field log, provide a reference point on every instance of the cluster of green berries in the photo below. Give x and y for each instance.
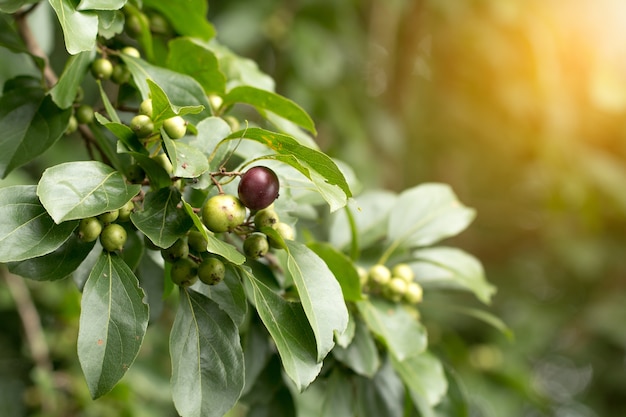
(397, 284)
(142, 125)
(107, 227)
(257, 190)
(191, 261)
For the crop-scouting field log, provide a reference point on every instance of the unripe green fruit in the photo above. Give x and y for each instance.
(102, 69)
(109, 216)
(175, 127)
(362, 272)
(395, 289)
(184, 272)
(285, 231)
(403, 271)
(134, 24)
(80, 95)
(379, 275)
(414, 293)
(89, 229)
(125, 211)
(72, 125)
(265, 218)
(121, 74)
(145, 107)
(113, 237)
(130, 51)
(222, 213)
(164, 162)
(142, 125)
(84, 114)
(197, 242)
(180, 249)
(211, 271)
(135, 174)
(256, 245)
(159, 25)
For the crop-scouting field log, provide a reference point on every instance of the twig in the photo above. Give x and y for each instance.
(33, 47)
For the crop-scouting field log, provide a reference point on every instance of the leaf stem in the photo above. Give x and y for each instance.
(354, 243)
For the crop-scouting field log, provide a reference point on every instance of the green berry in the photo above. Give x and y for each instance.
(256, 245)
(414, 293)
(403, 271)
(142, 125)
(180, 249)
(113, 237)
(175, 127)
(84, 114)
(109, 216)
(379, 275)
(265, 218)
(126, 211)
(222, 213)
(285, 231)
(164, 162)
(135, 23)
(184, 272)
(395, 289)
(197, 242)
(102, 69)
(130, 51)
(362, 272)
(211, 271)
(121, 74)
(72, 125)
(146, 107)
(135, 174)
(89, 229)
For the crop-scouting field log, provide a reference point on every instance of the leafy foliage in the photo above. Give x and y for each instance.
(301, 306)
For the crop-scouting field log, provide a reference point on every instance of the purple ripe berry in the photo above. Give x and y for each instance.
(258, 188)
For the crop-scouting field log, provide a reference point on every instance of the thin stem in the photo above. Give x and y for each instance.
(354, 242)
(33, 47)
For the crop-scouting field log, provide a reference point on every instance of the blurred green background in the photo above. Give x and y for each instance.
(520, 105)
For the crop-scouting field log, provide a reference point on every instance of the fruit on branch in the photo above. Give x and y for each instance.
(196, 241)
(145, 107)
(135, 174)
(266, 218)
(179, 250)
(164, 162)
(126, 211)
(414, 293)
(89, 229)
(211, 271)
(223, 213)
(84, 114)
(130, 51)
(285, 231)
(256, 245)
(175, 127)
(403, 271)
(395, 289)
(101, 69)
(121, 74)
(113, 237)
(72, 125)
(379, 275)
(109, 216)
(184, 272)
(142, 125)
(258, 187)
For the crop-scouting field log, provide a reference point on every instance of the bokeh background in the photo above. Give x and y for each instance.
(519, 105)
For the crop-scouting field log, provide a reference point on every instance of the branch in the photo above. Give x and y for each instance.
(33, 47)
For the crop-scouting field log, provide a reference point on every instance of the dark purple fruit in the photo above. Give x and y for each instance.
(258, 188)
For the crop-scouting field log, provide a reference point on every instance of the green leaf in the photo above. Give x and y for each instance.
(30, 123)
(361, 355)
(395, 326)
(210, 132)
(207, 358)
(342, 268)
(12, 6)
(101, 4)
(215, 245)
(338, 396)
(113, 322)
(64, 91)
(269, 101)
(179, 88)
(110, 23)
(320, 294)
(161, 219)
(382, 395)
(75, 190)
(445, 267)
(187, 17)
(426, 214)
(55, 265)
(162, 107)
(26, 229)
(125, 135)
(188, 56)
(424, 376)
(290, 330)
(79, 28)
(187, 161)
(313, 164)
